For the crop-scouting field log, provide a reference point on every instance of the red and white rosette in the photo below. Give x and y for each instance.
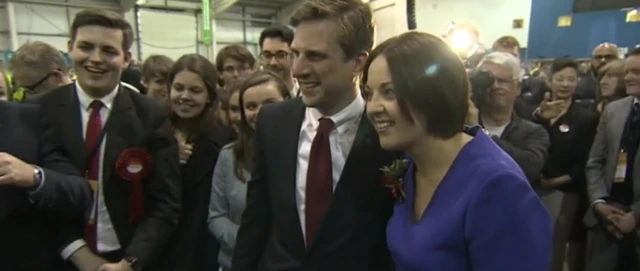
(134, 165)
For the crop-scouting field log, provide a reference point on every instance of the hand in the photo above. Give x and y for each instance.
(120, 266)
(553, 182)
(15, 172)
(472, 115)
(606, 211)
(185, 152)
(626, 223)
(85, 260)
(550, 109)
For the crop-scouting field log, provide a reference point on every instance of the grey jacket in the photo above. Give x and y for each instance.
(228, 196)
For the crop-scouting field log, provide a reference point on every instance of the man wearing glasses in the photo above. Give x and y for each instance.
(276, 56)
(39, 68)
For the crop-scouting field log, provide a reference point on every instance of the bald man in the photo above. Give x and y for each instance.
(588, 86)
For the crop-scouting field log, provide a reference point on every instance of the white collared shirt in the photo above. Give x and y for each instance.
(340, 139)
(106, 237)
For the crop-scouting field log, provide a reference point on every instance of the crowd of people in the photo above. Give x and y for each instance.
(323, 153)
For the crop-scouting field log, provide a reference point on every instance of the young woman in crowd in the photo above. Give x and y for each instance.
(463, 204)
(232, 171)
(192, 94)
(571, 127)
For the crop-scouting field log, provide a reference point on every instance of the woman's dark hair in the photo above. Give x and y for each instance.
(243, 146)
(562, 63)
(429, 80)
(201, 66)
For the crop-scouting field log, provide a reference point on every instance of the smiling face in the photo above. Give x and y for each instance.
(324, 73)
(505, 89)
(632, 75)
(395, 130)
(188, 95)
(564, 83)
(255, 97)
(98, 58)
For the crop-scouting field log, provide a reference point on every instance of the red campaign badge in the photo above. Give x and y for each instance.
(134, 165)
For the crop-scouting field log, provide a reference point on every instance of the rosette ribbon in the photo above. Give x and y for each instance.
(134, 165)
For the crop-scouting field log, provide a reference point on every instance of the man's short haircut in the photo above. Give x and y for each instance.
(505, 60)
(354, 19)
(236, 52)
(506, 42)
(104, 18)
(38, 56)
(156, 67)
(277, 31)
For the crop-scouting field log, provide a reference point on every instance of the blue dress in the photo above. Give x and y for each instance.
(484, 216)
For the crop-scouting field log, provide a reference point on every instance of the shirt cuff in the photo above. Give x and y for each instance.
(34, 191)
(598, 201)
(72, 248)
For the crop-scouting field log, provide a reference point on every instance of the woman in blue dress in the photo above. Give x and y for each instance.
(464, 204)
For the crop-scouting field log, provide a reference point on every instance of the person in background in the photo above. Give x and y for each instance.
(507, 44)
(232, 171)
(524, 141)
(612, 86)
(155, 73)
(571, 127)
(5, 92)
(233, 62)
(192, 97)
(118, 138)
(228, 110)
(131, 78)
(587, 90)
(613, 181)
(275, 55)
(464, 203)
(38, 68)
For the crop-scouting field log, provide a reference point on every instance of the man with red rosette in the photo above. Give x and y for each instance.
(124, 143)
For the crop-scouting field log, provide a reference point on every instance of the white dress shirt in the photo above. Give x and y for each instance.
(106, 237)
(340, 139)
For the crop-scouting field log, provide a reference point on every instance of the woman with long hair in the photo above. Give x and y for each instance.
(192, 94)
(232, 171)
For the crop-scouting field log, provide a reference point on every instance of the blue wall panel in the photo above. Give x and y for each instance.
(588, 29)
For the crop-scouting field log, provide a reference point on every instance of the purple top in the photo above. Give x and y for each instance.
(484, 216)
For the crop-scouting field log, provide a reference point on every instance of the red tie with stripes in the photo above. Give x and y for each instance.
(92, 139)
(319, 190)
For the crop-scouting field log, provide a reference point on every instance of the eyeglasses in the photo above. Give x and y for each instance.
(605, 57)
(280, 56)
(31, 89)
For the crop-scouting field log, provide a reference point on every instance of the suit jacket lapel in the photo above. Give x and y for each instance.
(291, 136)
(619, 120)
(120, 130)
(69, 117)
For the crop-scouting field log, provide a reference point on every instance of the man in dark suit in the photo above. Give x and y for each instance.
(315, 200)
(124, 143)
(38, 187)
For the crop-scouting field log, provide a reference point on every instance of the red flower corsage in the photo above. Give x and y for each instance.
(134, 165)
(392, 178)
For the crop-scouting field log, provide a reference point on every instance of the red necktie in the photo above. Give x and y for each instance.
(319, 180)
(92, 139)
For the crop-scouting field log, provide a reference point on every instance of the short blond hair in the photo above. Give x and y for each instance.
(354, 18)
